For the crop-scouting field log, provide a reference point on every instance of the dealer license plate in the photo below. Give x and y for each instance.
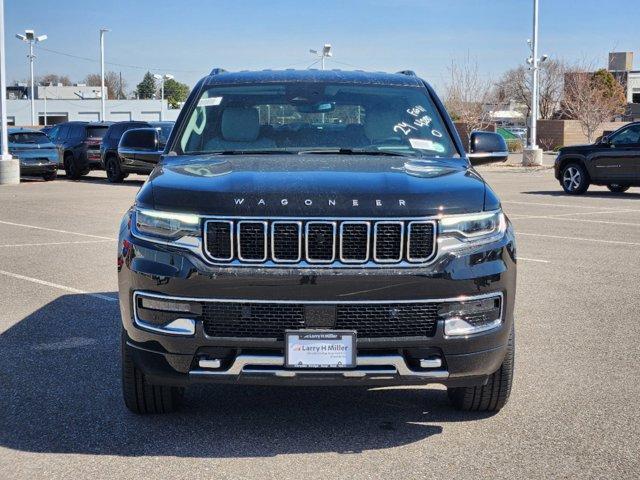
(320, 349)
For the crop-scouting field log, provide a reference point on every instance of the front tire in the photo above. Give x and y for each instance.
(616, 188)
(73, 169)
(113, 169)
(574, 179)
(140, 395)
(492, 396)
(50, 176)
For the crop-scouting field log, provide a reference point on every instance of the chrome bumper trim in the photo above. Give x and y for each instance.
(388, 366)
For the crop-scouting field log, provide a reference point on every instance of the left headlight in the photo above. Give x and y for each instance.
(474, 229)
(167, 225)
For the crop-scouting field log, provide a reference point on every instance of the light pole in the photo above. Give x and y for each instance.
(9, 167)
(532, 155)
(103, 100)
(31, 38)
(162, 79)
(325, 53)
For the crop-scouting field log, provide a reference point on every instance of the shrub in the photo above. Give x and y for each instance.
(514, 145)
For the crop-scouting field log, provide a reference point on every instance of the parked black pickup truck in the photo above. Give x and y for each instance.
(316, 228)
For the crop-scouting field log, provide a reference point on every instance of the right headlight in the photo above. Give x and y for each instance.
(166, 225)
(474, 228)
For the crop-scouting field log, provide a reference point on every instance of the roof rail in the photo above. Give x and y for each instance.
(410, 73)
(217, 71)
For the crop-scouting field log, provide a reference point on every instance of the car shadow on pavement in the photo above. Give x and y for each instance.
(60, 393)
(630, 195)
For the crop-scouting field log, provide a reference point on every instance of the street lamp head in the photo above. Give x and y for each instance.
(104, 30)
(30, 34)
(326, 50)
(315, 52)
(21, 37)
(168, 76)
(530, 60)
(544, 58)
(41, 38)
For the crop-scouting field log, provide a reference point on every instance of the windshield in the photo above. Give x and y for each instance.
(306, 117)
(164, 129)
(96, 132)
(29, 137)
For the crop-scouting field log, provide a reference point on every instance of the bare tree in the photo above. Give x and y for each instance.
(112, 82)
(54, 79)
(592, 99)
(468, 94)
(516, 84)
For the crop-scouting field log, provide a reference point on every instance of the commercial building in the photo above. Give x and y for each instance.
(63, 110)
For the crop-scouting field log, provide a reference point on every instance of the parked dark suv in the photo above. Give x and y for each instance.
(316, 228)
(117, 167)
(78, 146)
(613, 161)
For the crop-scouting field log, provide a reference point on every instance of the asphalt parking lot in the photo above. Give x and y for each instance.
(573, 412)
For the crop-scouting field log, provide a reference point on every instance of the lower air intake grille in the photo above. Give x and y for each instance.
(270, 320)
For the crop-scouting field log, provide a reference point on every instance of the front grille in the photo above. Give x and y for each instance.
(340, 242)
(270, 320)
(388, 242)
(420, 240)
(252, 241)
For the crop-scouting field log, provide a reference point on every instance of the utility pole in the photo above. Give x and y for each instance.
(325, 53)
(103, 100)
(162, 79)
(532, 155)
(31, 38)
(9, 167)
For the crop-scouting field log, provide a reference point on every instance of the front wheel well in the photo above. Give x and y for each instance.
(566, 161)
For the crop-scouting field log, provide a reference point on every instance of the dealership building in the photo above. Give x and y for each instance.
(63, 110)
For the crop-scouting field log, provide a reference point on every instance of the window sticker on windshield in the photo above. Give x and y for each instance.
(210, 102)
(422, 144)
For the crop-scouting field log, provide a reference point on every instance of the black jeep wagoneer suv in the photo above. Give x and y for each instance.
(316, 228)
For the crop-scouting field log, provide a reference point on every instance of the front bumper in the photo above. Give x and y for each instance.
(163, 270)
(39, 168)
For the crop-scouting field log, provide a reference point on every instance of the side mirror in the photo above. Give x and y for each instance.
(605, 140)
(138, 141)
(487, 147)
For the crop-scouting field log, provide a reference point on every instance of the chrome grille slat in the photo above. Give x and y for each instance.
(346, 242)
(352, 247)
(388, 238)
(320, 242)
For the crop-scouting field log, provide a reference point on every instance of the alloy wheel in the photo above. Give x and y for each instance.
(572, 178)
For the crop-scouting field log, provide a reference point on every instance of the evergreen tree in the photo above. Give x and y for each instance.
(147, 87)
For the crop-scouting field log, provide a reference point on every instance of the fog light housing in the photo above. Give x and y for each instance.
(471, 316)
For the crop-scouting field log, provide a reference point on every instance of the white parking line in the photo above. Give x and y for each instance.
(533, 260)
(54, 230)
(54, 243)
(596, 240)
(60, 287)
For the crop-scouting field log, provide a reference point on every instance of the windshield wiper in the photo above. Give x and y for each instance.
(353, 151)
(245, 152)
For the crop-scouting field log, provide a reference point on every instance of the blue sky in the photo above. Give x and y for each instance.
(188, 37)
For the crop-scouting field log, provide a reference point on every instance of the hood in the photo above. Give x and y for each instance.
(313, 185)
(576, 148)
